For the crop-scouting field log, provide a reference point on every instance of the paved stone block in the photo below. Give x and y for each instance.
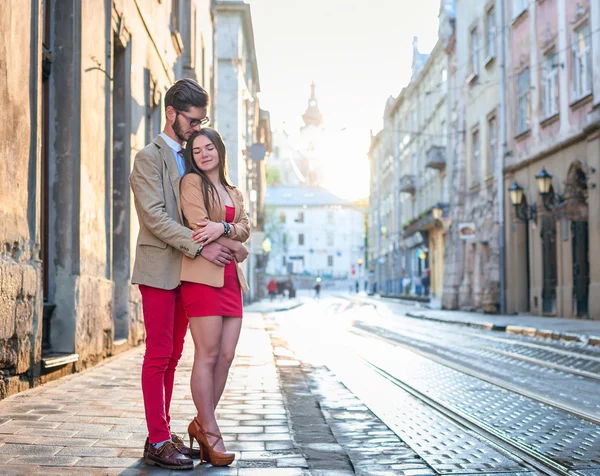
(45, 460)
(23, 449)
(246, 446)
(88, 451)
(46, 432)
(87, 427)
(241, 429)
(272, 471)
(103, 462)
(277, 429)
(279, 445)
(264, 437)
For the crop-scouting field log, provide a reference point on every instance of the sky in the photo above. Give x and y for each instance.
(358, 53)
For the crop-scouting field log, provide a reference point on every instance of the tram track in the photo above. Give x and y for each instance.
(496, 438)
(576, 412)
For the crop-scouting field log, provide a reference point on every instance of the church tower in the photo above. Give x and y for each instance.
(312, 116)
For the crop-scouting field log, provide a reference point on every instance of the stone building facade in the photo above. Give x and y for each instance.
(472, 272)
(408, 180)
(383, 223)
(553, 86)
(82, 96)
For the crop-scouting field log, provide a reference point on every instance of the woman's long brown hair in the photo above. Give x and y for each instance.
(211, 197)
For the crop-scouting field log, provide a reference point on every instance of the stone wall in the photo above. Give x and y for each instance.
(20, 270)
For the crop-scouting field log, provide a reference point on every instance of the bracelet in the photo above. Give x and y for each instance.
(227, 228)
(199, 251)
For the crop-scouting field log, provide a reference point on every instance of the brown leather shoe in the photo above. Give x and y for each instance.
(167, 456)
(184, 450)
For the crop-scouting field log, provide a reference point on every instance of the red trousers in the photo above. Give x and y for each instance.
(166, 325)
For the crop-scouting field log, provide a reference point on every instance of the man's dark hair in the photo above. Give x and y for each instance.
(186, 93)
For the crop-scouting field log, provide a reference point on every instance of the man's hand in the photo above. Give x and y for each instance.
(240, 253)
(217, 254)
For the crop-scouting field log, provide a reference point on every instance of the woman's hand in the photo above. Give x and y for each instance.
(210, 231)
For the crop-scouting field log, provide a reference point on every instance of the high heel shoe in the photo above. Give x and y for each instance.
(207, 451)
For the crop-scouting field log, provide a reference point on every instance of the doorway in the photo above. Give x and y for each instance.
(121, 158)
(576, 209)
(549, 264)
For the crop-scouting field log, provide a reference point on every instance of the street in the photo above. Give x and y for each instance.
(466, 400)
(346, 384)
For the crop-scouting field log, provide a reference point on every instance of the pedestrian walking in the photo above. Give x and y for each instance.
(211, 294)
(272, 289)
(162, 242)
(426, 282)
(317, 290)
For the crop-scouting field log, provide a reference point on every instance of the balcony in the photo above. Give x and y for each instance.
(436, 157)
(407, 183)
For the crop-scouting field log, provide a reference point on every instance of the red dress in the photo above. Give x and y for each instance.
(204, 300)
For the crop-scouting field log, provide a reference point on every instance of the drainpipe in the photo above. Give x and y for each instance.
(503, 146)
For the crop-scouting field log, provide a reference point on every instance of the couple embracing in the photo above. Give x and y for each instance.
(192, 226)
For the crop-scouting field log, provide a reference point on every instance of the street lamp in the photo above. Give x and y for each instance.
(266, 245)
(544, 184)
(522, 211)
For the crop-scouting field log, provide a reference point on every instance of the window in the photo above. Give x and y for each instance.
(523, 102)
(153, 109)
(490, 30)
(444, 81)
(282, 217)
(300, 217)
(476, 157)
(474, 52)
(519, 6)
(492, 145)
(330, 241)
(330, 261)
(175, 16)
(581, 63)
(550, 85)
(301, 239)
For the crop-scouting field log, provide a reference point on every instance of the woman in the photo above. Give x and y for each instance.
(212, 295)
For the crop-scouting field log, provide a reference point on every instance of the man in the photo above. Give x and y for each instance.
(161, 244)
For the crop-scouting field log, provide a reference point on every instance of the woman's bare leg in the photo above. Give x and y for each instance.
(229, 339)
(207, 334)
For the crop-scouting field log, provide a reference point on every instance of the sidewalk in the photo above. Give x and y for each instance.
(93, 422)
(576, 330)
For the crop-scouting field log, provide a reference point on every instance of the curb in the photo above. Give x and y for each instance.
(519, 330)
(279, 309)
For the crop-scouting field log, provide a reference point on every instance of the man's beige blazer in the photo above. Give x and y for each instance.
(163, 240)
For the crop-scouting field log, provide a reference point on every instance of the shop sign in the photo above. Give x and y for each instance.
(466, 231)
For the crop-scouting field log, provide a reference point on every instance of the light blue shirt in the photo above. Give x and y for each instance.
(175, 148)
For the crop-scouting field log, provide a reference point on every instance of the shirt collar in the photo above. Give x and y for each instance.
(176, 146)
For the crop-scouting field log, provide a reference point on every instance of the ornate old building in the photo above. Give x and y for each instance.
(553, 234)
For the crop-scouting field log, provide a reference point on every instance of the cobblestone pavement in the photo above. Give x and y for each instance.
(280, 417)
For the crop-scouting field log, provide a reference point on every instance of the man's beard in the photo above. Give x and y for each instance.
(178, 131)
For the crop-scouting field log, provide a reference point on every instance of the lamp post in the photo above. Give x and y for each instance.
(522, 211)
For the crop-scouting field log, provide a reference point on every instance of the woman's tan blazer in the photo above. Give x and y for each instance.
(200, 270)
